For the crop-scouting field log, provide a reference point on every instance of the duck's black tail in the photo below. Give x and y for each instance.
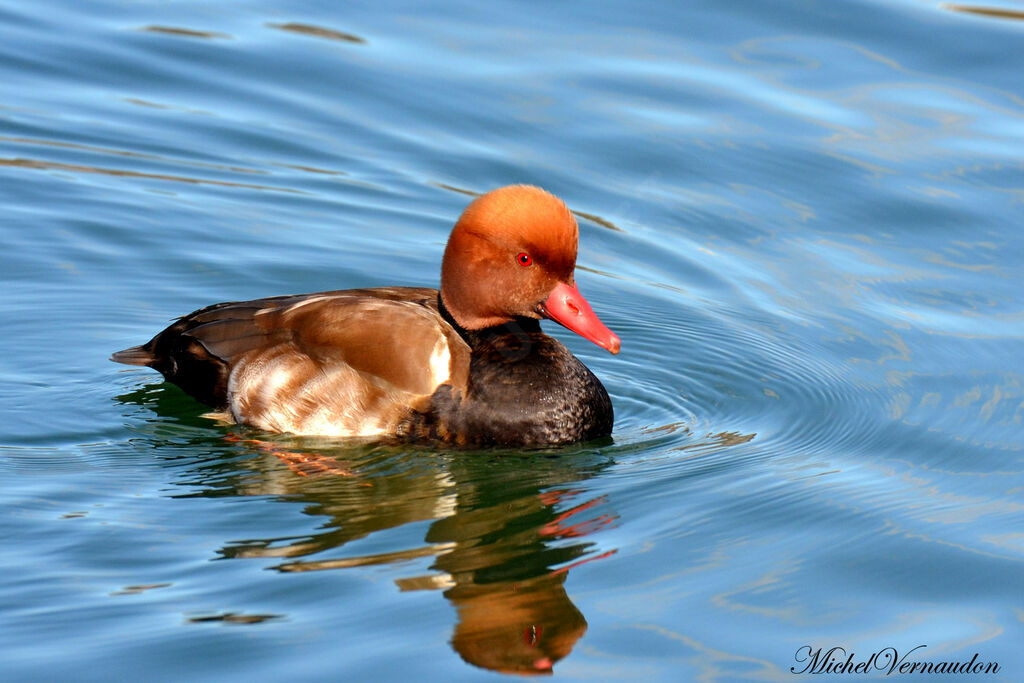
(136, 355)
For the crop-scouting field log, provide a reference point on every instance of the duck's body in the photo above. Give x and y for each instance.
(466, 365)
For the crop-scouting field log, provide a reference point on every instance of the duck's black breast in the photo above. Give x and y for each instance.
(524, 389)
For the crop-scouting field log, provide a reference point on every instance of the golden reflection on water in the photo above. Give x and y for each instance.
(186, 32)
(501, 550)
(994, 12)
(234, 618)
(130, 154)
(318, 32)
(76, 168)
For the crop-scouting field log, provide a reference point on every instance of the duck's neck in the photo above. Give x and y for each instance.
(487, 336)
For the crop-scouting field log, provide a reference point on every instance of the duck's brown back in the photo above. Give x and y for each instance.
(342, 363)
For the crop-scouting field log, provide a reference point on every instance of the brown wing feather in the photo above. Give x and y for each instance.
(350, 360)
(399, 342)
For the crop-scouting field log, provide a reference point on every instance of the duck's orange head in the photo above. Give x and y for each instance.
(513, 254)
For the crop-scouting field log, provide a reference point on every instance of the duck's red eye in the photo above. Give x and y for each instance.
(524, 259)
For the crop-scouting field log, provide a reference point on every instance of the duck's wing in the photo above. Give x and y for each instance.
(349, 362)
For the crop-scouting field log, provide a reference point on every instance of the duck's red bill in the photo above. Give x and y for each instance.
(566, 306)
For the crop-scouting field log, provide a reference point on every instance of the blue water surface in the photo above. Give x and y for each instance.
(802, 218)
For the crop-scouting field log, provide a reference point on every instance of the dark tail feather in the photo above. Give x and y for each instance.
(136, 355)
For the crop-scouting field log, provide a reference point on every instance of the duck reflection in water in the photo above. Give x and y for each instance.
(502, 539)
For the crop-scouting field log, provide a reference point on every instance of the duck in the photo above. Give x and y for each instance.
(466, 364)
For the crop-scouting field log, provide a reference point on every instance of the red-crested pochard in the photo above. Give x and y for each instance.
(468, 365)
